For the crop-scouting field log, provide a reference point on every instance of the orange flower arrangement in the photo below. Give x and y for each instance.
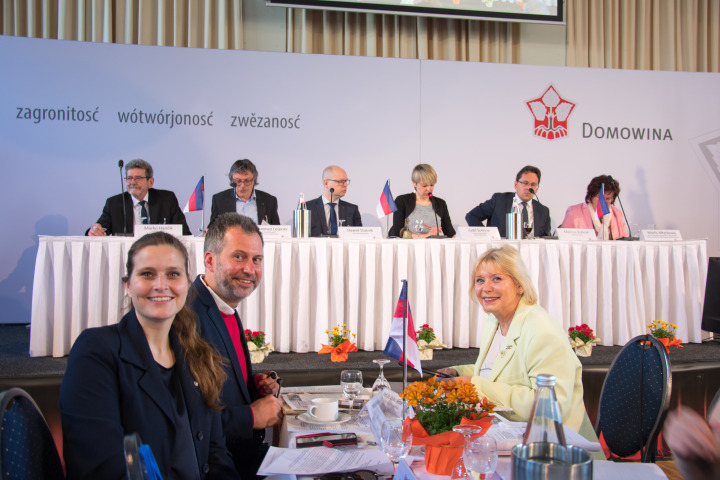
(440, 405)
(665, 332)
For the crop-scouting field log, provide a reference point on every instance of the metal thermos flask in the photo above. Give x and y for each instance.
(514, 225)
(301, 219)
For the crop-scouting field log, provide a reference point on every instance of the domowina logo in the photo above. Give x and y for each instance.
(551, 113)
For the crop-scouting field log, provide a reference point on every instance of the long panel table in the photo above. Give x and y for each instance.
(311, 285)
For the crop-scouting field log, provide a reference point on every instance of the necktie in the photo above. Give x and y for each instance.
(333, 219)
(524, 214)
(143, 212)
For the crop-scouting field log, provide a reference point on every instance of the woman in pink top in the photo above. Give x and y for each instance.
(584, 215)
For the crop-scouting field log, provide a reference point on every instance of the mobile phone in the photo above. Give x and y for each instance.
(319, 439)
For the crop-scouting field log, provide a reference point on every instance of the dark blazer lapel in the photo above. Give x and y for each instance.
(135, 350)
(319, 210)
(217, 323)
(154, 211)
(261, 207)
(191, 392)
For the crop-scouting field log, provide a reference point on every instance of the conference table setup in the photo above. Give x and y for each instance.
(310, 285)
(321, 434)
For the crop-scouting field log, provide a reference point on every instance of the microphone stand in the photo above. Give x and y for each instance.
(627, 224)
(330, 235)
(437, 226)
(122, 198)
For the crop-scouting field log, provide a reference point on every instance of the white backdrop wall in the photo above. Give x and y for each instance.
(375, 117)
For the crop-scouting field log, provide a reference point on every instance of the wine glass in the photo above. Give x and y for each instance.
(396, 439)
(419, 225)
(528, 226)
(381, 382)
(481, 455)
(351, 381)
(459, 471)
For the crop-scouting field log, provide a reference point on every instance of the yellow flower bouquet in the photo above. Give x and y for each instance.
(340, 345)
(665, 332)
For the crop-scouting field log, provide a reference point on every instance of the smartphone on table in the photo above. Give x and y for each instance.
(319, 439)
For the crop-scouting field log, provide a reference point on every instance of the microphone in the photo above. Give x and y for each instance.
(437, 227)
(627, 224)
(122, 191)
(328, 234)
(532, 190)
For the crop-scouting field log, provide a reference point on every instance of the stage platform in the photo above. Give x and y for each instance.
(695, 369)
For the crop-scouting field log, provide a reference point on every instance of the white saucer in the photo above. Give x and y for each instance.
(342, 418)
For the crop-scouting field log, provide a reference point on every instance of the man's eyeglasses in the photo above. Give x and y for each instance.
(247, 181)
(135, 179)
(340, 182)
(526, 183)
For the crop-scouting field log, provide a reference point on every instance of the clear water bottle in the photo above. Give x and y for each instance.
(545, 422)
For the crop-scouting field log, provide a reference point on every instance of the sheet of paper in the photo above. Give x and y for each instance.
(601, 470)
(312, 461)
(508, 434)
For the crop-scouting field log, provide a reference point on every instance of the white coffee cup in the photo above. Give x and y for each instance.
(324, 409)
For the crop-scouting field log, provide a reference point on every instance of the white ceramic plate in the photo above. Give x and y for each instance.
(342, 418)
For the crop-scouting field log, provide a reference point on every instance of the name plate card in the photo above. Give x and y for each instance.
(576, 234)
(275, 232)
(478, 233)
(660, 235)
(173, 229)
(360, 233)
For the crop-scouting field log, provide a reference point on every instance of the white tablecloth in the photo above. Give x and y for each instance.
(310, 285)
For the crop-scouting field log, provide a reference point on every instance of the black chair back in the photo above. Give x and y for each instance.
(27, 448)
(635, 398)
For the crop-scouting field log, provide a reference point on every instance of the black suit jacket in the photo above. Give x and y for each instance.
(267, 206)
(406, 204)
(112, 387)
(244, 443)
(500, 205)
(162, 208)
(346, 211)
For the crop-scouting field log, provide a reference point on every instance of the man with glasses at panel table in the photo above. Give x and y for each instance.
(527, 183)
(244, 198)
(328, 210)
(141, 204)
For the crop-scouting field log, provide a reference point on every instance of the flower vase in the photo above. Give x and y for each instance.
(443, 450)
(257, 356)
(426, 354)
(339, 353)
(584, 350)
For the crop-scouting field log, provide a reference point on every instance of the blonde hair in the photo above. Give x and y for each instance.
(424, 173)
(507, 259)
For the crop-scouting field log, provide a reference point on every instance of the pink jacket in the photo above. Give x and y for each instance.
(578, 216)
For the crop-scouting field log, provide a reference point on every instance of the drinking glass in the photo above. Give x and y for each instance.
(381, 382)
(481, 455)
(527, 226)
(396, 439)
(351, 381)
(419, 224)
(460, 471)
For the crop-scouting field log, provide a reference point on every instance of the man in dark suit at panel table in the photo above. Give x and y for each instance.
(141, 204)
(328, 211)
(244, 198)
(233, 269)
(527, 183)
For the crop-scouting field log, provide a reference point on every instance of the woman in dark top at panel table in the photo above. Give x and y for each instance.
(150, 374)
(426, 215)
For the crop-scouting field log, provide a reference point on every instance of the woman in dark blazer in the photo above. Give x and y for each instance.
(423, 179)
(150, 374)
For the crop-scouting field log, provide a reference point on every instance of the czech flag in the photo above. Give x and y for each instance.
(602, 207)
(196, 199)
(394, 344)
(386, 205)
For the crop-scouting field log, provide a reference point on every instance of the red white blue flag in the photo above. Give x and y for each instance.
(393, 348)
(602, 206)
(196, 199)
(386, 205)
